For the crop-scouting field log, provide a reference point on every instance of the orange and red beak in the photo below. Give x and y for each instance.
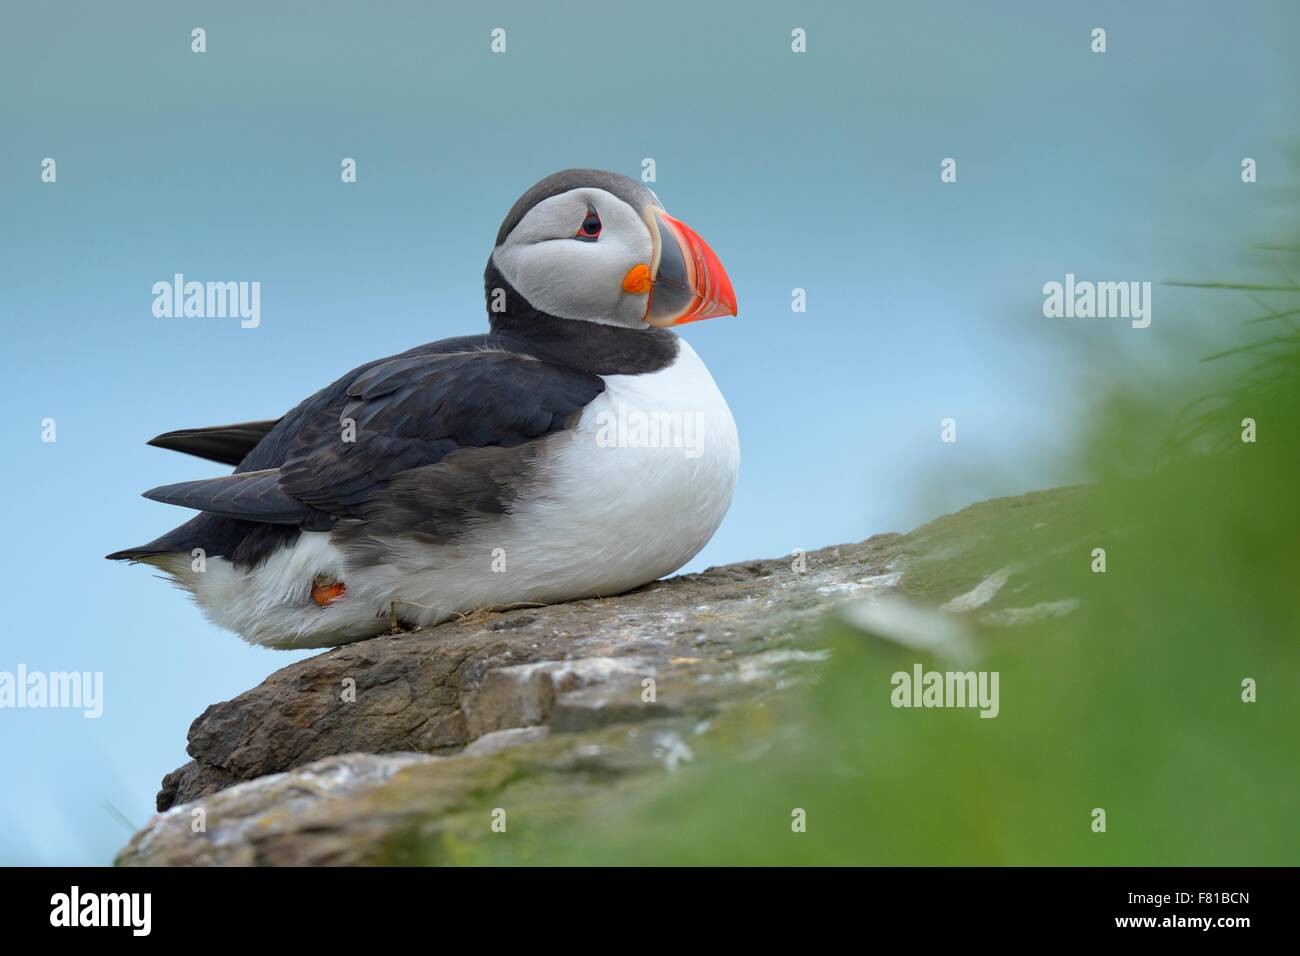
(687, 281)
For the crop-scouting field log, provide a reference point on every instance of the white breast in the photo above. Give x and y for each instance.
(634, 491)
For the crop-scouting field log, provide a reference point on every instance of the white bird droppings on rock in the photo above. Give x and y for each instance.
(980, 594)
(1026, 615)
(893, 618)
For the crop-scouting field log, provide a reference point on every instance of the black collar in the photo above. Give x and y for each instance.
(590, 346)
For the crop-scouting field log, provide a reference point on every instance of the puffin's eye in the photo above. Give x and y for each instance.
(590, 228)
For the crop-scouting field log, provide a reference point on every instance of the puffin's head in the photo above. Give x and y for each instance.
(597, 246)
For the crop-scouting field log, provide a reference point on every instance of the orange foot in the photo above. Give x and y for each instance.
(325, 591)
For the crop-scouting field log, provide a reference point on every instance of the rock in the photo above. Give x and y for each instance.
(526, 694)
(581, 665)
(260, 822)
(397, 741)
(500, 740)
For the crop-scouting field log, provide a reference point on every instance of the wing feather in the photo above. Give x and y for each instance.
(248, 496)
(227, 444)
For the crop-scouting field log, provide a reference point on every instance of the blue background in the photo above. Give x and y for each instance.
(818, 171)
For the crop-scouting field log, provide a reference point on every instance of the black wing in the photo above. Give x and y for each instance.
(340, 449)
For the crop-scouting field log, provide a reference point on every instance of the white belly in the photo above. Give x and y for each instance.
(630, 494)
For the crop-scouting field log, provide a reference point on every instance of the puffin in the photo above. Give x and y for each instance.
(577, 449)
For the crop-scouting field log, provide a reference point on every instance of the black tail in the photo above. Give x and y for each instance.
(245, 543)
(187, 536)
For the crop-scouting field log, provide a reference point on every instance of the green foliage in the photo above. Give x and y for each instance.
(1132, 703)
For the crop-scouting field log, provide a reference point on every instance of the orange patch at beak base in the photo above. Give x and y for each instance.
(637, 281)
